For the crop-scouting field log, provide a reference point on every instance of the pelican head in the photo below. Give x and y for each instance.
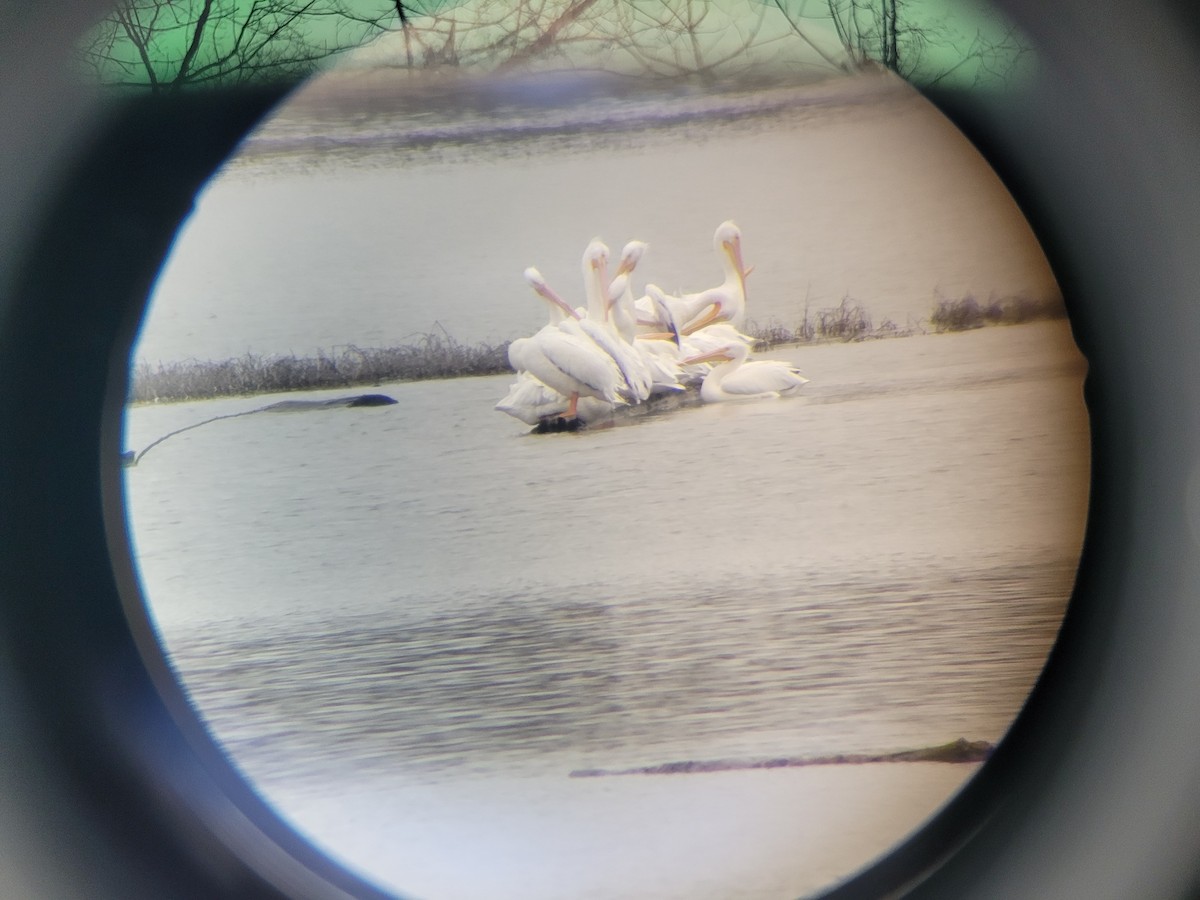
(543, 290)
(728, 240)
(535, 279)
(631, 255)
(595, 256)
(595, 279)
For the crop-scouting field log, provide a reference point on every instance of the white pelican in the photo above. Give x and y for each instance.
(567, 362)
(622, 309)
(736, 379)
(598, 327)
(592, 328)
(724, 303)
(531, 401)
(631, 255)
(714, 337)
(659, 353)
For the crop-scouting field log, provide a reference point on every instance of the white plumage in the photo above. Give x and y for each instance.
(617, 350)
(562, 359)
(724, 303)
(735, 378)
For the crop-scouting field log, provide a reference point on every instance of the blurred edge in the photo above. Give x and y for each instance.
(103, 794)
(1096, 793)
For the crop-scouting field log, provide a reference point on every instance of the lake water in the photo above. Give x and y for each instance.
(372, 232)
(409, 624)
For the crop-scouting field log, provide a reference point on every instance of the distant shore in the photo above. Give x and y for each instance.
(959, 751)
(438, 356)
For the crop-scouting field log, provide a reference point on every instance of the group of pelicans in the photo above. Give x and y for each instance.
(620, 351)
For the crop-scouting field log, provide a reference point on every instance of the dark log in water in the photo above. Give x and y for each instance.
(667, 401)
(129, 458)
(555, 424)
(334, 403)
(960, 751)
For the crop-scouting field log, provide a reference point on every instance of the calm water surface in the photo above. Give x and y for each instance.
(423, 593)
(409, 624)
(370, 235)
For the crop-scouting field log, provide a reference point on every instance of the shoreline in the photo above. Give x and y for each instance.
(440, 356)
(957, 751)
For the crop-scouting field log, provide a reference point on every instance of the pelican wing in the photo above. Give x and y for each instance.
(529, 400)
(762, 377)
(583, 362)
(627, 360)
(521, 353)
(664, 369)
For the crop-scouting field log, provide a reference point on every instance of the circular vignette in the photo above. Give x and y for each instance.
(1096, 791)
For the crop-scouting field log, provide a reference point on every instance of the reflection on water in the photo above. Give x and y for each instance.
(535, 684)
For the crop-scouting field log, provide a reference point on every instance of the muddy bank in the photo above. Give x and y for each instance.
(959, 751)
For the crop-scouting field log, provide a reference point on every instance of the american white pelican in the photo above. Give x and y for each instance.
(532, 402)
(592, 327)
(724, 303)
(567, 362)
(733, 378)
(714, 337)
(659, 353)
(600, 329)
(622, 309)
(631, 255)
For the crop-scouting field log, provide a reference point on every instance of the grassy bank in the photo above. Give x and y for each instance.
(441, 356)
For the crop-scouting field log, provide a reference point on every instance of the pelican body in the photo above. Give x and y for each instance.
(562, 358)
(724, 303)
(735, 378)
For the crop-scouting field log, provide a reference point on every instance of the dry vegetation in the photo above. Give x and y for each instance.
(960, 315)
(434, 356)
(441, 356)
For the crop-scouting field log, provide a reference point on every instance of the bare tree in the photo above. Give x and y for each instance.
(688, 37)
(891, 35)
(663, 38)
(165, 45)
